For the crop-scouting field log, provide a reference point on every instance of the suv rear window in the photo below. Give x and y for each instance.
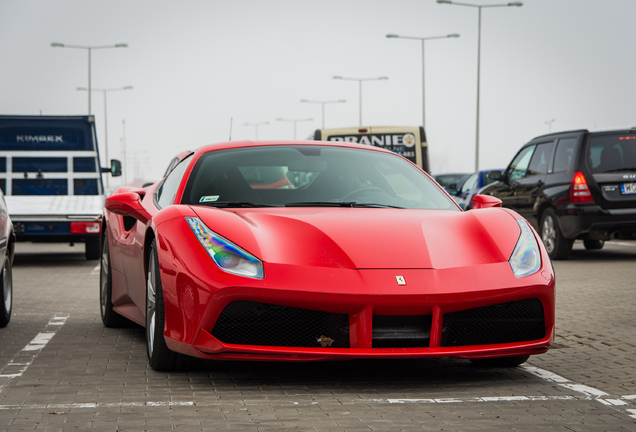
(611, 153)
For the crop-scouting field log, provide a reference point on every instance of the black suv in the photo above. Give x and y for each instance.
(573, 185)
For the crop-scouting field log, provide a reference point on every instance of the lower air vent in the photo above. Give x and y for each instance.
(517, 321)
(401, 331)
(253, 323)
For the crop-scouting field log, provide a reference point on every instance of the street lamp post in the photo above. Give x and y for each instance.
(360, 87)
(423, 39)
(294, 121)
(256, 125)
(323, 106)
(479, 7)
(89, 49)
(104, 91)
(549, 123)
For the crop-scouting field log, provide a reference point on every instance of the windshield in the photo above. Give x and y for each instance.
(611, 153)
(310, 176)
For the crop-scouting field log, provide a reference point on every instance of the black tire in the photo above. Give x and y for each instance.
(160, 357)
(593, 244)
(93, 249)
(110, 318)
(6, 289)
(557, 246)
(500, 362)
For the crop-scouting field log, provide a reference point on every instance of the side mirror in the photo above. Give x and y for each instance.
(127, 204)
(485, 201)
(115, 168)
(494, 176)
(452, 189)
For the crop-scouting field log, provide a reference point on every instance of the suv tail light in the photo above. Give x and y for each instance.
(85, 228)
(579, 191)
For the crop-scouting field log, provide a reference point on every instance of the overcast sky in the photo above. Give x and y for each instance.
(203, 69)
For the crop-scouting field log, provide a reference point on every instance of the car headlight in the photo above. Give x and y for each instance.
(225, 254)
(526, 257)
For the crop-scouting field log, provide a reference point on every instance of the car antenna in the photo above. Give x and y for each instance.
(231, 118)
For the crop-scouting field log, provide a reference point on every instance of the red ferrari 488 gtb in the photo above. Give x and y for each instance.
(304, 251)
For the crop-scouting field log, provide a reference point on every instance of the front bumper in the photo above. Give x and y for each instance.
(340, 314)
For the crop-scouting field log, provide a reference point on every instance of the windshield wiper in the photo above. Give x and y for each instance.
(227, 204)
(320, 204)
(338, 204)
(375, 205)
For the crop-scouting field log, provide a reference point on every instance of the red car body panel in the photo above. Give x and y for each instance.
(337, 260)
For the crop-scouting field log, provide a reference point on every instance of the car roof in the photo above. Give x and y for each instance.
(250, 143)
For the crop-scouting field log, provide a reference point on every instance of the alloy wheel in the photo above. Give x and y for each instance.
(7, 283)
(548, 234)
(151, 307)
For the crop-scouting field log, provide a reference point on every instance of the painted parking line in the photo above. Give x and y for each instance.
(21, 362)
(621, 404)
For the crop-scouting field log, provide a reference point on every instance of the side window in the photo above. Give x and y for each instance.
(541, 159)
(470, 183)
(518, 168)
(168, 189)
(564, 154)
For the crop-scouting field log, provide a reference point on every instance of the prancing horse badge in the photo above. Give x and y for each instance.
(400, 280)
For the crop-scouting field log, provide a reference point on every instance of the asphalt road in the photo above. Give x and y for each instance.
(61, 370)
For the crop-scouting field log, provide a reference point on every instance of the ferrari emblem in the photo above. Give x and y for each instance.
(400, 280)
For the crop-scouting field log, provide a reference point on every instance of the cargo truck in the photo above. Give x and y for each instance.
(51, 175)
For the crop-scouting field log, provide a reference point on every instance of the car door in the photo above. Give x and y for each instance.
(505, 189)
(526, 189)
(524, 179)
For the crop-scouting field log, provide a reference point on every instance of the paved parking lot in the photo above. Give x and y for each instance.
(60, 369)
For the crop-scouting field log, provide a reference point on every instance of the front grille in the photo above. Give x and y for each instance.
(252, 323)
(401, 331)
(516, 321)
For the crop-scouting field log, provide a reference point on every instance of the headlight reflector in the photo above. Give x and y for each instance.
(526, 257)
(225, 254)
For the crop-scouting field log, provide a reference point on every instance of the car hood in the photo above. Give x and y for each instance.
(365, 238)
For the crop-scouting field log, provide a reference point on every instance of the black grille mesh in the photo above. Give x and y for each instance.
(254, 323)
(401, 331)
(516, 321)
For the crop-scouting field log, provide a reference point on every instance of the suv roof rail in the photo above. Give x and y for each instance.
(562, 132)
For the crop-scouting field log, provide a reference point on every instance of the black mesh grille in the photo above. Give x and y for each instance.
(401, 331)
(516, 321)
(253, 323)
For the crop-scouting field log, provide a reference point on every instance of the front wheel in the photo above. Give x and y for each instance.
(110, 318)
(6, 299)
(500, 362)
(159, 355)
(557, 246)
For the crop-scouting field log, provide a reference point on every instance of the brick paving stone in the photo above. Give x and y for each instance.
(87, 363)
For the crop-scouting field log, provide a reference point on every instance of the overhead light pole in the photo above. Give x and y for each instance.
(256, 125)
(105, 91)
(323, 103)
(479, 7)
(89, 49)
(360, 80)
(549, 123)
(294, 121)
(423, 39)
